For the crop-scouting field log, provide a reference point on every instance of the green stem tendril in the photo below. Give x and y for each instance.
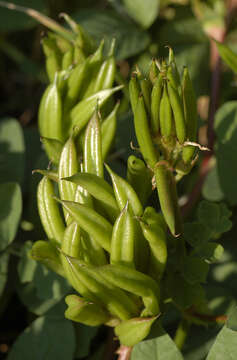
(181, 333)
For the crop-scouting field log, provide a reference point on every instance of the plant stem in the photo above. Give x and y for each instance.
(41, 18)
(110, 345)
(181, 333)
(196, 191)
(124, 352)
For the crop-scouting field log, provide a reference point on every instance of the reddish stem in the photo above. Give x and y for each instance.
(215, 63)
(220, 319)
(196, 192)
(219, 35)
(124, 352)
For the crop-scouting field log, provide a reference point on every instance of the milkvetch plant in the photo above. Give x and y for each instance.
(122, 256)
(121, 242)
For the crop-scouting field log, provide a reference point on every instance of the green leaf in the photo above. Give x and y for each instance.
(4, 259)
(12, 150)
(143, 12)
(28, 296)
(40, 289)
(46, 338)
(14, 20)
(26, 266)
(131, 332)
(196, 234)
(215, 217)
(229, 57)
(226, 131)
(195, 270)
(225, 346)
(159, 348)
(210, 251)
(199, 342)
(183, 293)
(10, 212)
(107, 24)
(232, 318)
(49, 285)
(85, 336)
(212, 189)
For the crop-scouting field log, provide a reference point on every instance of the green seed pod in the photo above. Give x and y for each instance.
(72, 272)
(151, 217)
(105, 77)
(75, 82)
(154, 72)
(134, 91)
(141, 249)
(104, 293)
(53, 149)
(146, 92)
(97, 56)
(190, 114)
(156, 237)
(173, 65)
(143, 134)
(52, 175)
(132, 331)
(92, 252)
(108, 130)
(166, 115)
(176, 105)
(49, 212)
(50, 113)
(123, 237)
(68, 166)
(78, 244)
(46, 253)
(166, 188)
(85, 312)
(155, 104)
(135, 282)
(95, 61)
(62, 44)
(99, 189)
(93, 162)
(67, 59)
(139, 177)
(78, 55)
(53, 57)
(82, 112)
(93, 223)
(125, 193)
(173, 77)
(71, 244)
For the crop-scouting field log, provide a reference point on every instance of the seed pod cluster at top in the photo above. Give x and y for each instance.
(165, 120)
(165, 115)
(112, 251)
(80, 77)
